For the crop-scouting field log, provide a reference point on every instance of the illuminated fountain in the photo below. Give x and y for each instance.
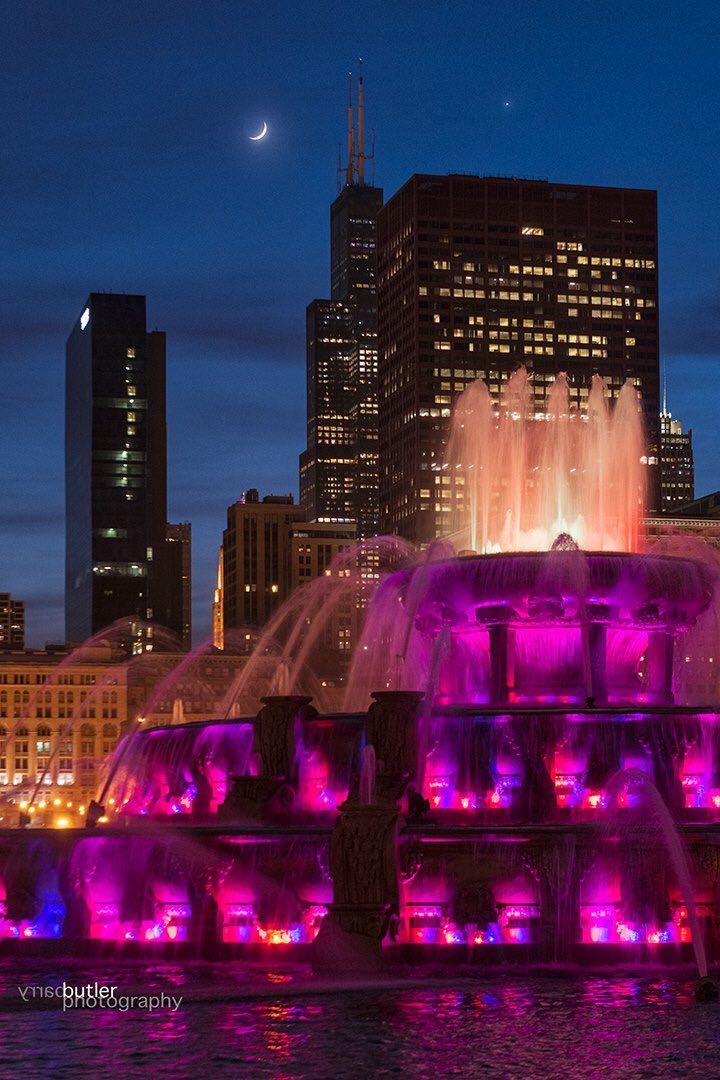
(528, 767)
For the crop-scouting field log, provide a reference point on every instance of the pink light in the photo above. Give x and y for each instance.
(514, 922)
(484, 937)
(680, 919)
(238, 922)
(425, 923)
(694, 788)
(453, 934)
(280, 935)
(441, 792)
(313, 918)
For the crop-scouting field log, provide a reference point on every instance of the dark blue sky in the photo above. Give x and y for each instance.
(125, 165)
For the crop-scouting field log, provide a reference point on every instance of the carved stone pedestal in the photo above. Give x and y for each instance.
(363, 866)
(391, 729)
(275, 737)
(558, 865)
(277, 740)
(350, 940)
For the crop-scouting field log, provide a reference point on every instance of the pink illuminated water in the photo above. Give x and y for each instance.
(525, 474)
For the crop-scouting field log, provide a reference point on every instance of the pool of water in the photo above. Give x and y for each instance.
(261, 1021)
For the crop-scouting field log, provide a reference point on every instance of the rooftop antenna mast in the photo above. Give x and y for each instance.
(350, 171)
(363, 158)
(361, 128)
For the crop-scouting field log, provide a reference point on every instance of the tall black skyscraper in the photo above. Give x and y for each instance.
(478, 275)
(116, 562)
(339, 469)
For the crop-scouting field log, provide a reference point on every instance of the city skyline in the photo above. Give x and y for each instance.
(208, 265)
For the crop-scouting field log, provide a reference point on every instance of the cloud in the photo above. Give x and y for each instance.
(276, 337)
(25, 518)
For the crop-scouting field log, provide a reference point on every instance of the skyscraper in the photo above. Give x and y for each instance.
(255, 558)
(116, 563)
(477, 275)
(12, 622)
(268, 552)
(676, 464)
(217, 615)
(175, 589)
(339, 468)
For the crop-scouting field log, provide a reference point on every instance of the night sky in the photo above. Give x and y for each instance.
(126, 166)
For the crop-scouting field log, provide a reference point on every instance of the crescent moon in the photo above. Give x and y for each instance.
(261, 135)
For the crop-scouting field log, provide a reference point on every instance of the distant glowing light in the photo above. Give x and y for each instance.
(280, 935)
(85, 318)
(453, 934)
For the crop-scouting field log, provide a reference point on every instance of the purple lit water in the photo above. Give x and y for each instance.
(238, 1021)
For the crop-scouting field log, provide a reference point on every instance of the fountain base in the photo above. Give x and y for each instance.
(338, 950)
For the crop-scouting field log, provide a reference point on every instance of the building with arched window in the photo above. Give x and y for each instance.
(62, 715)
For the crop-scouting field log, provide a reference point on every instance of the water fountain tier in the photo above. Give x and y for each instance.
(562, 626)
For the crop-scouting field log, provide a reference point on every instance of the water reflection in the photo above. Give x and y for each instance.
(502, 1025)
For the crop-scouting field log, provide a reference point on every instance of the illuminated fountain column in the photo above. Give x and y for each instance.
(501, 638)
(363, 845)
(277, 742)
(660, 650)
(594, 639)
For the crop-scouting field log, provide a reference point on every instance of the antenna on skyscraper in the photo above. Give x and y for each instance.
(361, 128)
(350, 172)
